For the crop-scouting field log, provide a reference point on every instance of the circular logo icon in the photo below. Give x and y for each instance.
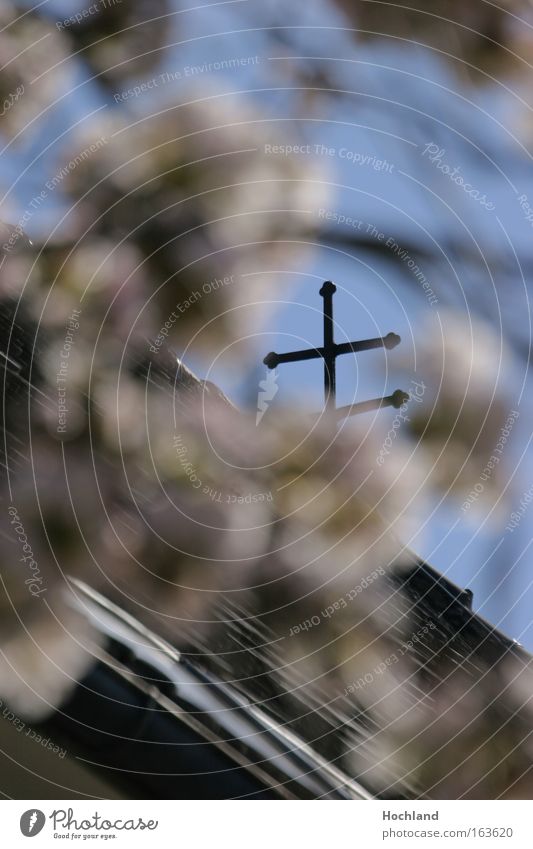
(32, 822)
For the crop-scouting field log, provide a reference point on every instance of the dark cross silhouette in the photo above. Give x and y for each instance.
(329, 353)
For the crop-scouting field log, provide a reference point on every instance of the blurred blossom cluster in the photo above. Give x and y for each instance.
(465, 408)
(269, 560)
(220, 534)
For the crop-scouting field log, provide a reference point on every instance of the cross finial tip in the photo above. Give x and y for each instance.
(328, 288)
(399, 398)
(271, 360)
(392, 340)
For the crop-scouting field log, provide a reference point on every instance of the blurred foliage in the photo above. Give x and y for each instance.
(170, 200)
(479, 38)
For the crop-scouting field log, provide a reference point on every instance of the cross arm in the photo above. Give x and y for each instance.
(396, 400)
(272, 360)
(391, 340)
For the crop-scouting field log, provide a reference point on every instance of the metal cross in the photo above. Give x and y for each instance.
(329, 353)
